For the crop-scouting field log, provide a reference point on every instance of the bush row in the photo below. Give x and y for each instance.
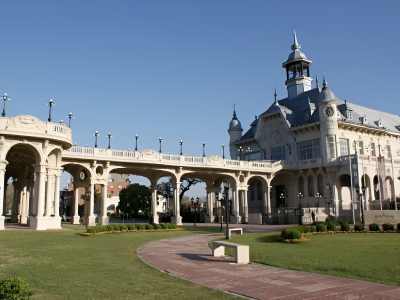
(129, 227)
(344, 226)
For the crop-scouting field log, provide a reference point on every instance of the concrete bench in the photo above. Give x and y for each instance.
(241, 252)
(230, 230)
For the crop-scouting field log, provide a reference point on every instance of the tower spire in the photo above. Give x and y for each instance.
(324, 83)
(234, 112)
(316, 81)
(275, 96)
(295, 44)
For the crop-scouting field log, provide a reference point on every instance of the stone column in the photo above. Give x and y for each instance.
(50, 192)
(38, 221)
(76, 218)
(267, 202)
(57, 177)
(245, 218)
(2, 191)
(104, 218)
(154, 213)
(177, 219)
(235, 205)
(210, 204)
(91, 219)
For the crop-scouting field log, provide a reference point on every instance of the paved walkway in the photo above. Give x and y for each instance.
(189, 258)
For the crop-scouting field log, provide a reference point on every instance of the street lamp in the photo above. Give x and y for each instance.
(240, 152)
(204, 150)
(223, 151)
(5, 100)
(318, 197)
(160, 140)
(51, 103)
(69, 119)
(181, 147)
(109, 140)
(136, 141)
(227, 210)
(300, 198)
(96, 136)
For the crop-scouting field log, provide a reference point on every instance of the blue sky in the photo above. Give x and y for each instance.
(175, 68)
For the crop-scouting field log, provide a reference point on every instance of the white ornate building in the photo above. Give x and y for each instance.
(316, 134)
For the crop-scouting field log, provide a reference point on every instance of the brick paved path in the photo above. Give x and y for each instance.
(189, 258)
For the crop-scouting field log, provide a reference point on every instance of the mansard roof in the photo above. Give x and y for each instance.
(303, 110)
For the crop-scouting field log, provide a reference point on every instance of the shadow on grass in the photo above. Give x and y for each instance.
(274, 238)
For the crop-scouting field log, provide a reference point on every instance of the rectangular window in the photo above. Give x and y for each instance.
(309, 149)
(278, 153)
(388, 151)
(373, 150)
(331, 147)
(344, 146)
(361, 147)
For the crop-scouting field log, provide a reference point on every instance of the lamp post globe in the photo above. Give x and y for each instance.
(51, 103)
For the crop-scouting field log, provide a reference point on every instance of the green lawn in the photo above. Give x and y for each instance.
(369, 256)
(64, 265)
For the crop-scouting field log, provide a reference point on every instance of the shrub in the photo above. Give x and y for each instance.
(148, 226)
(299, 228)
(291, 234)
(388, 227)
(139, 226)
(163, 226)
(330, 226)
(321, 227)
(156, 226)
(108, 228)
(115, 227)
(123, 227)
(171, 226)
(359, 227)
(313, 228)
(14, 288)
(131, 226)
(344, 226)
(374, 227)
(89, 230)
(398, 227)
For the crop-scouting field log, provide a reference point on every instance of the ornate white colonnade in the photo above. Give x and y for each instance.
(34, 153)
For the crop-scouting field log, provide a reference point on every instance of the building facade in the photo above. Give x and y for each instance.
(341, 159)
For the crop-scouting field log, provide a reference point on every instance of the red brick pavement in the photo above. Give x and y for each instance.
(189, 258)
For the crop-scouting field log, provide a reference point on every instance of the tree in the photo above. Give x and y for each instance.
(135, 201)
(186, 184)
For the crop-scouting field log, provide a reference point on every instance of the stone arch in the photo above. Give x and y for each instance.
(257, 194)
(366, 190)
(390, 192)
(344, 191)
(21, 183)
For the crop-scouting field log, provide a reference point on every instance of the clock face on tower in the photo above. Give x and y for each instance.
(329, 111)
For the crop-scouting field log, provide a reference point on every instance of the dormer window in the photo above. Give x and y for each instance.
(363, 120)
(379, 123)
(349, 114)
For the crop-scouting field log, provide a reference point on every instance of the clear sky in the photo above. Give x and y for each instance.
(175, 68)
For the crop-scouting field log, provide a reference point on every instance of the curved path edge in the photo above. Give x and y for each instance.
(189, 258)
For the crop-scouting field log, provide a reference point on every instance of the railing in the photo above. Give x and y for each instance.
(150, 156)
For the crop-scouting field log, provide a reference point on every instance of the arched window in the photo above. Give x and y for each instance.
(310, 185)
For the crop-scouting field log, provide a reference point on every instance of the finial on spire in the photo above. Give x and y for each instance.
(316, 81)
(324, 83)
(275, 96)
(234, 111)
(296, 44)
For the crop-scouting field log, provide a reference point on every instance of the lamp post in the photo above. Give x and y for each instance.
(300, 198)
(240, 152)
(223, 151)
(160, 142)
(109, 140)
(218, 199)
(136, 141)
(181, 147)
(69, 119)
(318, 197)
(204, 150)
(51, 103)
(96, 136)
(5, 100)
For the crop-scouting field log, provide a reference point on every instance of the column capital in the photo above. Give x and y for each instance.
(3, 165)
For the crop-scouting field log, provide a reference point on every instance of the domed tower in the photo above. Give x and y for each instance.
(235, 133)
(328, 123)
(297, 67)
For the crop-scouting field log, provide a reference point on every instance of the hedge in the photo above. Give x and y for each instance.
(14, 288)
(388, 227)
(291, 234)
(374, 227)
(128, 227)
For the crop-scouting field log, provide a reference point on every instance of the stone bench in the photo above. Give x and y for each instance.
(241, 252)
(230, 230)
